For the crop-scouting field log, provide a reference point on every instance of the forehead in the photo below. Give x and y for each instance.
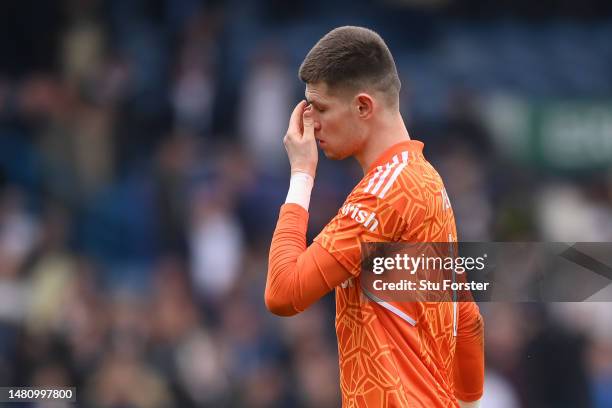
(320, 92)
(317, 92)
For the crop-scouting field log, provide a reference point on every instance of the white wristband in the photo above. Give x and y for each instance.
(300, 188)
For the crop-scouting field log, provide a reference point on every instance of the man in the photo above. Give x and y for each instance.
(391, 355)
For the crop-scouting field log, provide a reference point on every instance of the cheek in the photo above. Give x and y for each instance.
(331, 123)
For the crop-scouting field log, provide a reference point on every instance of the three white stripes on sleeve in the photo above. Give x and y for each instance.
(381, 178)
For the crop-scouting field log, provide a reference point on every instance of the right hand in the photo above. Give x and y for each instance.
(300, 142)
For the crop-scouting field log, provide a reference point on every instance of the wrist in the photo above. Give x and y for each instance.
(300, 187)
(303, 170)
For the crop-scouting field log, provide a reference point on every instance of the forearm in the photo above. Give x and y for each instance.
(298, 275)
(288, 243)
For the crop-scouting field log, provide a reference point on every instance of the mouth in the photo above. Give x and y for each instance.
(321, 142)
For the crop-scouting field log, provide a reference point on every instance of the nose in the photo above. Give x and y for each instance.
(317, 126)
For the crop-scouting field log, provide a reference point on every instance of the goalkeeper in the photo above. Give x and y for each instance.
(391, 354)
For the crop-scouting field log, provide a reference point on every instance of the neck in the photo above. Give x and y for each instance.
(387, 133)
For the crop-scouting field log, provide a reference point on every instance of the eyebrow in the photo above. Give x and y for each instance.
(315, 102)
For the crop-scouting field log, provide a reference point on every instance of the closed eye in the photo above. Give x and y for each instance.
(316, 106)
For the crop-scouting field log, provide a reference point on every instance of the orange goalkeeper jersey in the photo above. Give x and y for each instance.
(392, 354)
(395, 354)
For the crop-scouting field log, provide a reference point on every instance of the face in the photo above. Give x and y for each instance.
(338, 128)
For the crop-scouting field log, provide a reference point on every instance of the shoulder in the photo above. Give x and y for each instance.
(406, 176)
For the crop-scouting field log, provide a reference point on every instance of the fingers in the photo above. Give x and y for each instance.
(300, 142)
(295, 121)
(308, 124)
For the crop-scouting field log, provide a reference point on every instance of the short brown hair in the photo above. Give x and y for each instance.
(354, 58)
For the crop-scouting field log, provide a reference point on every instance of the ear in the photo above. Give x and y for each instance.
(364, 104)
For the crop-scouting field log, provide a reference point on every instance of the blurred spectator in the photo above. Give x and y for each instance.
(268, 98)
(216, 246)
(18, 232)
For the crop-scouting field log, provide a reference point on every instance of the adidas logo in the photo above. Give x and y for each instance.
(365, 218)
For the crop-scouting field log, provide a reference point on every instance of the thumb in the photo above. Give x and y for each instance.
(308, 124)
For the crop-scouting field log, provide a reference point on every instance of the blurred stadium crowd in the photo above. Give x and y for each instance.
(141, 171)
